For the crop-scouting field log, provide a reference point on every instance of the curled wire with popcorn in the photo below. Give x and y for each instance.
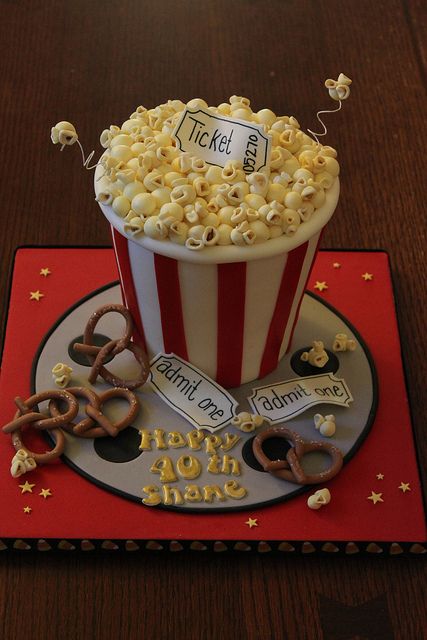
(338, 90)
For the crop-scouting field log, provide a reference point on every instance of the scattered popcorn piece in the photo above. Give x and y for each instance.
(61, 374)
(339, 89)
(317, 355)
(63, 133)
(343, 343)
(325, 424)
(319, 499)
(247, 422)
(21, 463)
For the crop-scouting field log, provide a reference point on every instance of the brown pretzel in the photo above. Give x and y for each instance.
(290, 469)
(78, 392)
(87, 428)
(100, 418)
(38, 420)
(25, 459)
(40, 458)
(97, 356)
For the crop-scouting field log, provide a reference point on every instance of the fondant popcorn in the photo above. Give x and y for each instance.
(343, 343)
(317, 355)
(61, 374)
(247, 422)
(339, 89)
(21, 463)
(144, 173)
(319, 499)
(325, 424)
(63, 133)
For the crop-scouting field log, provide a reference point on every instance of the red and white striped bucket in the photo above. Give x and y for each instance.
(234, 321)
(234, 318)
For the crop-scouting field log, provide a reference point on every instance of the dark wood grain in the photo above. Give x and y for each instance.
(92, 62)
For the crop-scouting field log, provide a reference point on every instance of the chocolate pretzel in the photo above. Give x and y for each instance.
(97, 425)
(97, 356)
(46, 456)
(39, 420)
(290, 468)
(86, 423)
(25, 459)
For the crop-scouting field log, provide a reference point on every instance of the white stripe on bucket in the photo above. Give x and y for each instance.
(145, 284)
(263, 278)
(200, 313)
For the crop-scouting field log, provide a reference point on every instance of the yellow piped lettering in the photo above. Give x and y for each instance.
(211, 491)
(153, 497)
(230, 440)
(172, 495)
(188, 467)
(192, 493)
(234, 490)
(147, 437)
(230, 466)
(176, 440)
(164, 467)
(195, 438)
(213, 464)
(212, 442)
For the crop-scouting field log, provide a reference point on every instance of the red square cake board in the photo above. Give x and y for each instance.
(79, 510)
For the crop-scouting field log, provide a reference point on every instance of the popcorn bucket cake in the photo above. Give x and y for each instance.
(216, 215)
(229, 310)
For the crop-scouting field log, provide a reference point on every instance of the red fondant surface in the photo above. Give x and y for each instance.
(79, 509)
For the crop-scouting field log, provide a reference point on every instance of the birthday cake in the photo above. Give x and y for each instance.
(210, 380)
(221, 210)
(216, 215)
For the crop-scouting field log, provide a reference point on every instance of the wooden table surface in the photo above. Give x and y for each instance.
(92, 62)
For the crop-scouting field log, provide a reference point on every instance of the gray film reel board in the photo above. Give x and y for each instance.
(118, 465)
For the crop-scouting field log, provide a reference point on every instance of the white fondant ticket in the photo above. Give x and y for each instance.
(219, 139)
(203, 402)
(285, 400)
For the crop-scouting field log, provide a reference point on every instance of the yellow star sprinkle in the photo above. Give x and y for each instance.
(45, 493)
(321, 286)
(404, 486)
(45, 272)
(27, 487)
(367, 276)
(380, 476)
(252, 522)
(336, 265)
(36, 295)
(27, 509)
(375, 497)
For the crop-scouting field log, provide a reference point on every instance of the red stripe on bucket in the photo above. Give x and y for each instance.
(127, 286)
(288, 286)
(231, 322)
(302, 297)
(169, 294)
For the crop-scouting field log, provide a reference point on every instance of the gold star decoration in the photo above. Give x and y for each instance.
(36, 295)
(321, 286)
(252, 522)
(367, 276)
(45, 493)
(336, 265)
(27, 509)
(27, 487)
(45, 272)
(375, 497)
(404, 486)
(380, 476)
